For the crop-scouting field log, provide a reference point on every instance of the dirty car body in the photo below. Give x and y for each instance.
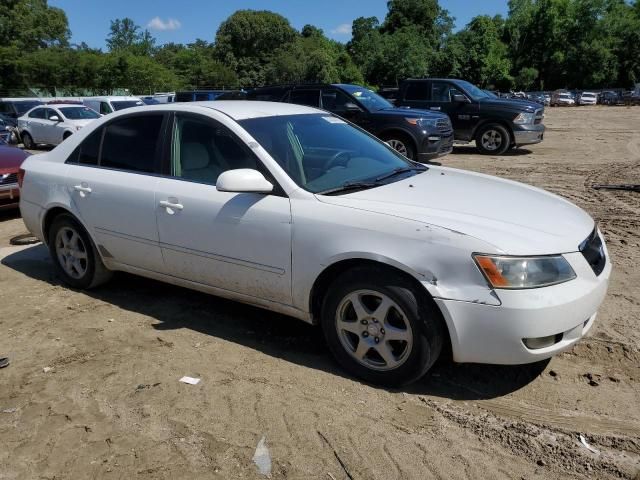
(314, 218)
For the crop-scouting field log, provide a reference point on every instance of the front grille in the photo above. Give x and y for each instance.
(8, 180)
(443, 125)
(593, 251)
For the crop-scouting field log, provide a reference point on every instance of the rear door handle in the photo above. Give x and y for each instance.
(84, 191)
(171, 206)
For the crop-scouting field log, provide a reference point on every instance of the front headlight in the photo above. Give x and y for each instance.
(423, 122)
(524, 272)
(524, 118)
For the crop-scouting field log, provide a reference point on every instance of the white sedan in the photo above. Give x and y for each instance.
(295, 210)
(51, 124)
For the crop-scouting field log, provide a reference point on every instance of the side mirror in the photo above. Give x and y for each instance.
(243, 180)
(459, 98)
(54, 118)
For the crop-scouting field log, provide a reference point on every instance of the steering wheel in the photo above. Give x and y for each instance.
(338, 159)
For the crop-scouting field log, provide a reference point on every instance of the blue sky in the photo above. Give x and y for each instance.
(186, 20)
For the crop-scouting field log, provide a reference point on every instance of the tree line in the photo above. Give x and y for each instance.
(541, 44)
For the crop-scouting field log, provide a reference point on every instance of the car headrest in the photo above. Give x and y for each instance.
(194, 156)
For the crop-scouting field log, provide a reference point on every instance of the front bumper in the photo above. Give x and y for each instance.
(434, 146)
(483, 333)
(528, 134)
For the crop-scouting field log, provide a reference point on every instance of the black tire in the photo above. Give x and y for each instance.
(27, 141)
(95, 273)
(502, 139)
(400, 143)
(423, 315)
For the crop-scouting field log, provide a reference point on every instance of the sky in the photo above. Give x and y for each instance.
(186, 20)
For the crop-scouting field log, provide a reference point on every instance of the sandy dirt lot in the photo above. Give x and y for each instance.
(111, 406)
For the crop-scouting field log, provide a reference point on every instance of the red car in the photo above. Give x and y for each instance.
(10, 160)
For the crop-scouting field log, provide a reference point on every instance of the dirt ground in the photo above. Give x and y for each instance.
(110, 405)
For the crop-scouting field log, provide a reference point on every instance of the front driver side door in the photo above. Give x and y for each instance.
(238, 242)
(464, 116)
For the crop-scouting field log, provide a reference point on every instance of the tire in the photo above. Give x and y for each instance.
(492, 139)
(85, 270)
(410, 316)
(27, 141)
(401, 143)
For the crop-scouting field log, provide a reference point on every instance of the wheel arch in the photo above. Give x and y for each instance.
(51, 214)
(325, 278)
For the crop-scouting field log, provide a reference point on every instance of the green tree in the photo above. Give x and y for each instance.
(32, 24)
(125, 35)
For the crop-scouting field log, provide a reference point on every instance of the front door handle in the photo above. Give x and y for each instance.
(171, 206)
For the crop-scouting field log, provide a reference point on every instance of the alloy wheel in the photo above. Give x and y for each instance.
(374, 330)
(398, 146)
(491, 140)
(71, 252)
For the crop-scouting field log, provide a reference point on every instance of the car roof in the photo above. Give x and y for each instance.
(244, 109)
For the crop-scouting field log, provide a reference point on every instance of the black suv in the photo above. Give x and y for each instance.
(419, 135)
(496, 124)
(16, 107)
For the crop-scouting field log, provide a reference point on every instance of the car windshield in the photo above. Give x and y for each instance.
(588, 95)
(369, 99)
(322, 153)
(565, 95)
(122, 104)
(79, 113)
(24, 107)
(475, 92)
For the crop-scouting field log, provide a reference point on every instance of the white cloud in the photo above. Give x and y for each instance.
(157, 23)
(342, 29)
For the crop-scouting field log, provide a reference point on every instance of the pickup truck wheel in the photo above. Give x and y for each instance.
(379, 328)
(493, 139)
(27, 141)
(401, 144)
(74, 255)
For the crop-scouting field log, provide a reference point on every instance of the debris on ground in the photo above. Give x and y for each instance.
(262, 458)
(190, 380)
(586, 445)
(47, 369)
(623, 186)
(4, 362)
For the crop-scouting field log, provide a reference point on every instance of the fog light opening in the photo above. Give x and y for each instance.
(541, 342)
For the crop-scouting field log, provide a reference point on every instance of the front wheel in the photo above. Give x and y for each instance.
(27, 141)
(380, 328)
(401, 144)
(74, 256)
(493, 139)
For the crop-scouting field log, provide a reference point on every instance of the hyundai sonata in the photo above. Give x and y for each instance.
(295, 210)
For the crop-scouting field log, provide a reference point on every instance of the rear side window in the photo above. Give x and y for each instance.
(417, 91)
(90, 149)
(131, 143)
(310, 98)
(38, 113)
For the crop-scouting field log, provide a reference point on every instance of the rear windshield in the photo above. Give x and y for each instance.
(122, 104)
(79, 113)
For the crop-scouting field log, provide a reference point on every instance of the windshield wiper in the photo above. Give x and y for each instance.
(400, 170)
(349, 186)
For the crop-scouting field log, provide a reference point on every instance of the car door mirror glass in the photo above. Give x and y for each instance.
(243, 180)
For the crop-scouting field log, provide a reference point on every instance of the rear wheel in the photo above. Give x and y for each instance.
(380, 328)
(74, 255)
(27, 141)
(401, 144)
(493, 139)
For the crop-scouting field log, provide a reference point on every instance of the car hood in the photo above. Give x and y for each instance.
(410, 113)
(11, 158)
(516, 219)
(515, 104)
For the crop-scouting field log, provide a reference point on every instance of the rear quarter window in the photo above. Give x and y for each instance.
(417, 91)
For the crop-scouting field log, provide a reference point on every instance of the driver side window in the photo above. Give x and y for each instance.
(203, 149)
(443, 92)
(335, 101)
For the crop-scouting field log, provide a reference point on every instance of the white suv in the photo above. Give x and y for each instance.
(295, 210)
(51, 124)
(588, 98)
